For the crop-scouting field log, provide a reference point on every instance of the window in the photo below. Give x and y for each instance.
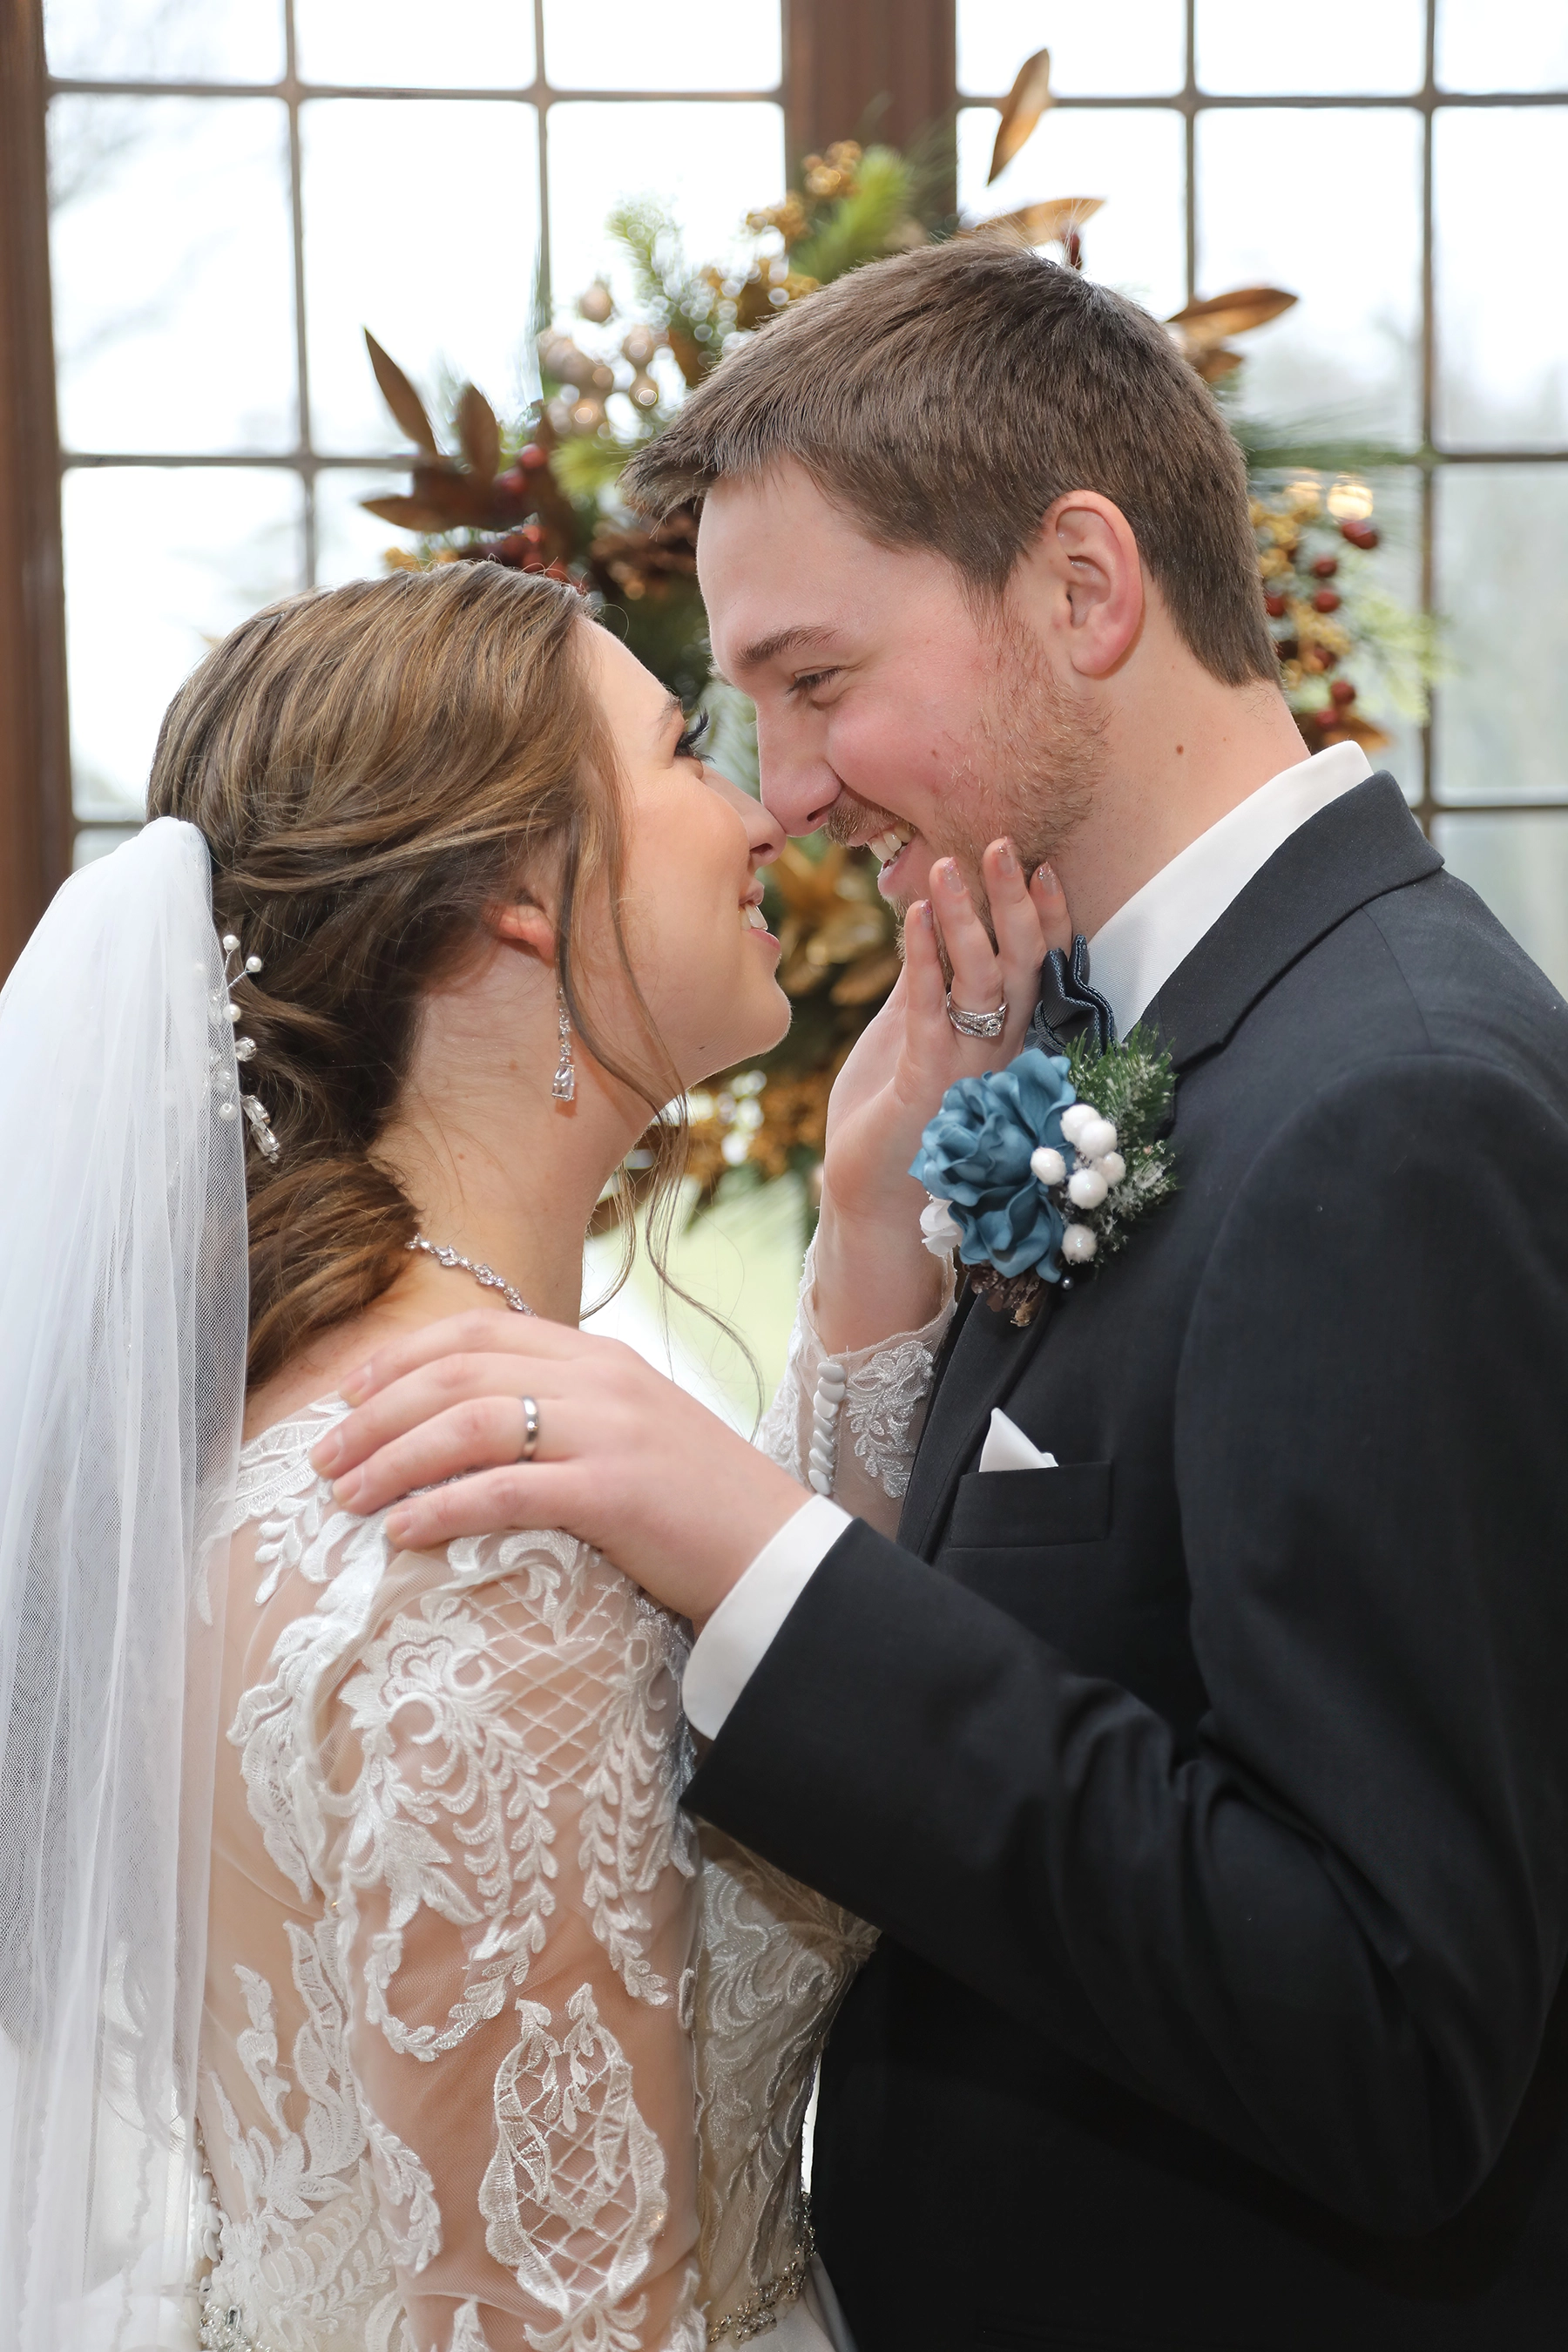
(1398, 167)
(237, 190)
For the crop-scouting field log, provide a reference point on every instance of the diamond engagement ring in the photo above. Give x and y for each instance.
(976, 1024)
(530, 1429)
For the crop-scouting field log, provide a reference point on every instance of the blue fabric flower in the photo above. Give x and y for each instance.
(975, 1155)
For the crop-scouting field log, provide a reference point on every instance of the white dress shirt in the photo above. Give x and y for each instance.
(1131, 956)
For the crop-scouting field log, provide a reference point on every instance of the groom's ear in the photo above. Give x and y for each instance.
(1085, 581)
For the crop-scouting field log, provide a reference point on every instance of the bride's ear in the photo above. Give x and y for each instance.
(520, 923)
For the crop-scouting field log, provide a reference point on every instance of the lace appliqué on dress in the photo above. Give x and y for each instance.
(880, 1402)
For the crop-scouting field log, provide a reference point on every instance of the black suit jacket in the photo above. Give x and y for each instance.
(1212, 1789)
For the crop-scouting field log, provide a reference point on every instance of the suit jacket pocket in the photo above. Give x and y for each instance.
(999, 1508)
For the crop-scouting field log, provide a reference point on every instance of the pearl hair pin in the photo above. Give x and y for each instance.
(255, 1110)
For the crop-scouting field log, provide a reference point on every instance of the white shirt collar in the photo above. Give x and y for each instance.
(1132, 955)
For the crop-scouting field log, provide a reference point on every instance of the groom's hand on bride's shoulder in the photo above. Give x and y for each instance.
(622, 1458)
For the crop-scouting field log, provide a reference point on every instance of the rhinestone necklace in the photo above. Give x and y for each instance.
(485, 1273)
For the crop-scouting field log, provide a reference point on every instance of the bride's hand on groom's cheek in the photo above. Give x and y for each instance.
(621, 1453)
(874, 1277)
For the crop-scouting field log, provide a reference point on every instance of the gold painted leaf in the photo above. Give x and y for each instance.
(401, 397)
(1044, 224)
(1025, 102)
(478, 432)
(410, 514)
(1202, 325)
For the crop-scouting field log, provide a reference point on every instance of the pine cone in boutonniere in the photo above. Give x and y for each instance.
(1042, 1168)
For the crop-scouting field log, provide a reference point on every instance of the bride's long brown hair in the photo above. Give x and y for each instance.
(374, 767)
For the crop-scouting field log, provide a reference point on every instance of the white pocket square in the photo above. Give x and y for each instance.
(1007, 1448)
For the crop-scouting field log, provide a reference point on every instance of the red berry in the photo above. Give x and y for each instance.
(1342, 691)
(533, 456)
(1327, 600)
(1360, 534)
(1325, 566)
(1274, 606)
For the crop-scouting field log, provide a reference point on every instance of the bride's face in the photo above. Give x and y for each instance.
(692, 901)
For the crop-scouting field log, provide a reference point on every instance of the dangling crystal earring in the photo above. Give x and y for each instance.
(564, 1085)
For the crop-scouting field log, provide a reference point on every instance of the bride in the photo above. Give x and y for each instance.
(362, 1983)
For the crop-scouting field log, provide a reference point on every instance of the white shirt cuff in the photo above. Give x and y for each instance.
(730, 1646)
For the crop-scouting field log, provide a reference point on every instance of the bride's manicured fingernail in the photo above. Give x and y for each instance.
(398, 1526)
(1046, 877)
(1006, 861)
(356, 1388)
(325, 1457)
(346, 1489)
(952, 879)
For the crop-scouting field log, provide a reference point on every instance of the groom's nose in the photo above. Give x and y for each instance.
(798, 787)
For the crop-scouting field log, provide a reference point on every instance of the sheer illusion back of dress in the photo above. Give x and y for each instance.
(493, 2056)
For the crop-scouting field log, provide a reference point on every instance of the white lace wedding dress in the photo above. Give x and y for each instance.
(470, 1975)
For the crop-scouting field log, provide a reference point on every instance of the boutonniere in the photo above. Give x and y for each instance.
(1043, 1167)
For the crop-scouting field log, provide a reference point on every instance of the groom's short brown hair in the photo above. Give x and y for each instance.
(952, 396)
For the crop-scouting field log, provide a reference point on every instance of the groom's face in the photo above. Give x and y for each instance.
(893, 707)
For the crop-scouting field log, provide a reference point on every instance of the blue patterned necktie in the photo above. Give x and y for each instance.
(1068, 1008)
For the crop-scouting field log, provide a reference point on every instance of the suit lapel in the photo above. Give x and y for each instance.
(1360, 846)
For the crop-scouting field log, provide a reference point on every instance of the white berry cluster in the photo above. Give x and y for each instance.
(1097, 1168)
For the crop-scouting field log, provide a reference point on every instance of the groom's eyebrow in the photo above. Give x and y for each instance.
(782, 641)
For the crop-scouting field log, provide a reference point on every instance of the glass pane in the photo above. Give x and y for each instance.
(711, 164)
(1242, 46)
(209, 545)
(1135, 50)
(164, 41)
(685, 45)
(1133, 158)
(349, 543)
(1502, 45)
(1348, 356)
(173, 273)
(421, 223)
(1520, 866)
(1502, 716)
(1499, 176)
(485, 44)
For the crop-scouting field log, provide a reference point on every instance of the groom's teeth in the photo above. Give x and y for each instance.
(886, 845)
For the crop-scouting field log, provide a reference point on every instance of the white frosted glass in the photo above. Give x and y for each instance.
(164, 41)
(161, 563)
(173, 273)
(1344, 45)
(349, 543)
(682, 45)
(406, 43)
(1136, 50)
(1348, 354)
(1502, 716)
(1133, 157)
(1500, 178)
(421, 223)
(711, 163)
(1519, 867)
(1502, 45)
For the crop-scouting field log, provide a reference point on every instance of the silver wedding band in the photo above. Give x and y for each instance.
(530, 1429)
(976, 1024)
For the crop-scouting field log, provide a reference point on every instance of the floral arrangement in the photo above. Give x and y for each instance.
(1028, 1179)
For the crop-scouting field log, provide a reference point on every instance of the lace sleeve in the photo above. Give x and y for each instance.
(513, 1881)
(854, 1419)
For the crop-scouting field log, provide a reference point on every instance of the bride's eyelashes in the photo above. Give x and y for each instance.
(809, 681)
(691, 736)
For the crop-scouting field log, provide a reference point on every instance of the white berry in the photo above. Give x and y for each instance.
(1087, 1188)
(1096, 1138)
(1076, 1118)
(1048, 1167)
(1112, 1167)
(1078, 1244)
(939, 1228)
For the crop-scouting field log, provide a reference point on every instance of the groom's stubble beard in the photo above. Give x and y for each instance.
(1029, 773)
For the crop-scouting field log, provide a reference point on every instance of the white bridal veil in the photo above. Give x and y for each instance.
(123, 1325)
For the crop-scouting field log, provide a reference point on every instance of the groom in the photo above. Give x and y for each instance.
(1211, 1787)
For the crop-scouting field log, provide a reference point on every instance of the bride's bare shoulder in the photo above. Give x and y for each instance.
(317, 1370)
